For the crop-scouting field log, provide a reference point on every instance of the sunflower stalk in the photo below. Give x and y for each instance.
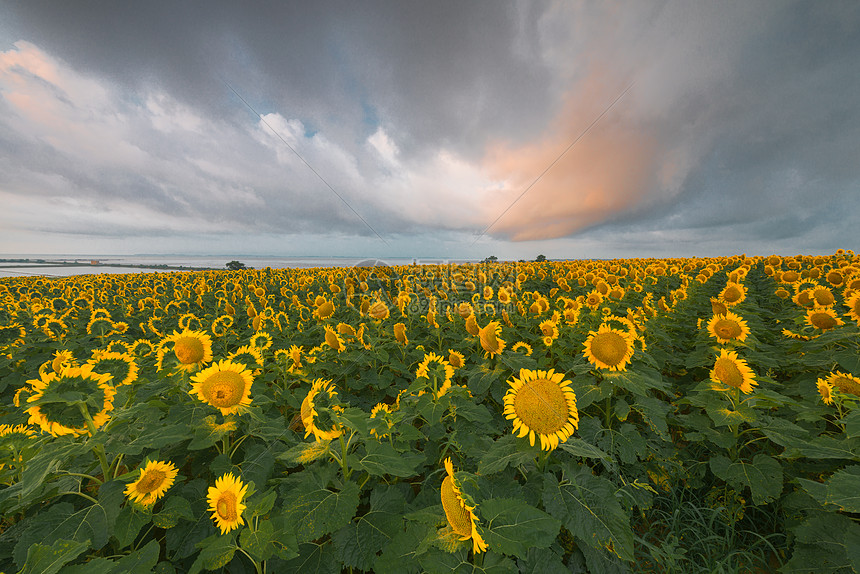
(98, 449)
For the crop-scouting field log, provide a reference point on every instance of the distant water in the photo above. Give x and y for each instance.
(81, 264)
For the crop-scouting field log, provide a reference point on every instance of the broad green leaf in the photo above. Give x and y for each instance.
(578, 447)
(508, 450)
(843, 489)
(358, 543)
(175, 507)
(587, 506)
(261, 504)
(128, 525)
(382, 458)
(439, 562)
(215, 551)
(542, 561)
(763, 476)
(314, 559)
(140, 562)
(316, 511)
(654, 411)
(587, 390)
(48, 559)
(400, 555)
(852, 424)
(722, 413)
(258, 543)
(510, 526)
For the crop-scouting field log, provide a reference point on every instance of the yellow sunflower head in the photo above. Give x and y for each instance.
(609, 348)
(381, 423)
(853, 304)
(324, 310)
(154, 480)
(63, 359)
(461, 515)
(490, 339)
(261, 341)
(317, 408)
(522, 347)
(728, 327)
(456, 358)
(845, 383)
(824, 319)
(333, 340)
(225, 385)
(542, 404)
(825, 389)
(378, 311)
(248, 355)
(52, 410)
(400, 333)
(225, 502)
(438, 371)
(734, 372)
(192, 349)
(822, 296)
(733, 293)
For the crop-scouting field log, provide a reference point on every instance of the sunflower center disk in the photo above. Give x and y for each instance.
(846, 385)
(151, 481)
(224, 389)
(728, 373)
(727, 329)
(609, 348)
(732, 294)
(458, 516)
(542, 406)
(226, 506)
(189, 350)
(823, 321)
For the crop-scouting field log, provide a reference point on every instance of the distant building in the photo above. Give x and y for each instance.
(94, 261)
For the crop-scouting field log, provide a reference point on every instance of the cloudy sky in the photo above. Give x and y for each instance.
(430, 129)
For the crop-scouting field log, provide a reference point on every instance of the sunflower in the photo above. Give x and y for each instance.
(461, 516)
(526, 348)
(825, 389)
(121, 366)
(728, 327)
(733, 293)
(324, 310)
(400, 333)
(221, 325)
(608, 348)
(438, 371)
(249, 356)
(225, 385)
(225, 502)
(192, 349)
(24, 431)
(51, 409)
(549, 329)
(321, 395)
(456, 358)
(490, 340)
(378, 311)
(824, 319)
(541, 403)
(733, 372)
(381, 413)
(261, 340)
(155, 478)
(845, 383)
(822, 296)
(12, 335)
(594, 299)
(63, 359)
(853, 304)
(333, 340)
(141, 348)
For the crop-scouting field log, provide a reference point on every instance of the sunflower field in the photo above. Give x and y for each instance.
(639, 415)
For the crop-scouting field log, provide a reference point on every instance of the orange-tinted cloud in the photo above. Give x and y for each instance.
(609, 171)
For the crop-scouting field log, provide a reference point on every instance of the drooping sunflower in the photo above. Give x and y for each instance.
(225, 502)
(63, 359)
(333, 340)
(609, 348)
(825, 389)
(382, 423)
(853, 304)
(456, 358)
(192, 349)
(822, 296)
(320, 399)
(225, 385)
(461, 516)
(121, 366)
(542, 404)
(728, 327)
(324, 310)
(824, 319)
(154, 480)
(400, 333)
(378, 311)
(472, 325)
(526, 348)
(490, 339)
(733, 372)
(51, 409)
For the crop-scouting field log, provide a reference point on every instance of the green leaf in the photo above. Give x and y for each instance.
(140, 562)
(175, 507)
(587, 390)
(852, 424)
(358, 543)
(48, 559)
(314, 559)
(510, 526)
(578, 447)
(654, 412)
(128, 525)
(507, 451)
(316, 510)
(438, 562)
(722, 413)
(382, 458)
(542, 561)
(763, 476)
(400, 555)
(587, 506)
(258, 543)
(843, 489)
(260, 505)
(638, 381)
(215, 551)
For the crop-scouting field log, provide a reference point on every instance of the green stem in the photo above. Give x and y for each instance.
(343, 463)
(82, 475)
(257, 566)
(87, 496)
(98, 449)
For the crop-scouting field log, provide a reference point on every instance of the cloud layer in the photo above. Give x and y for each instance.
(431, 122)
